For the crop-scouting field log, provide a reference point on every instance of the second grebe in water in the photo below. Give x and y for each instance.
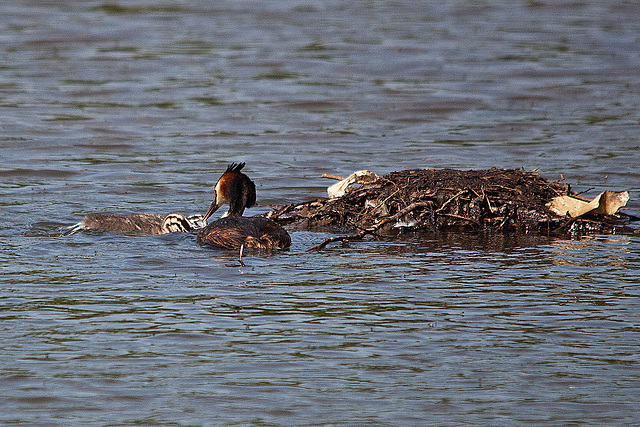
(139, 223)
(233, 231)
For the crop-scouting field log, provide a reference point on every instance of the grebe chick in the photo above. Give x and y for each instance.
(139, 223)
(233, 231)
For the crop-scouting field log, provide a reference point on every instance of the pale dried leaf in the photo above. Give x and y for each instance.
(607, 202)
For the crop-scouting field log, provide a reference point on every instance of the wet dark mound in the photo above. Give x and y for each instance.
(511, 200)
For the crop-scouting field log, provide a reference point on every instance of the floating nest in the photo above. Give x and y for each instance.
(501, 200)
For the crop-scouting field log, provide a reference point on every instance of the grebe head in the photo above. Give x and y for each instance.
(234, 188)
(179, 222)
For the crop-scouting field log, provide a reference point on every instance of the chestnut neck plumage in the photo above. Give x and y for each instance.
(234, 188)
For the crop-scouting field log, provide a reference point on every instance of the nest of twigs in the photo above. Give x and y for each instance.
(422, 199)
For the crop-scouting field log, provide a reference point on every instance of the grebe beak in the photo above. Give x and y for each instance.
(214, 207)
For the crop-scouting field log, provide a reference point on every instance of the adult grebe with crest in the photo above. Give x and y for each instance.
(233, 231)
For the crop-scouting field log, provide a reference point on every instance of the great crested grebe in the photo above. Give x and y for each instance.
(139, 223)
(233, 231)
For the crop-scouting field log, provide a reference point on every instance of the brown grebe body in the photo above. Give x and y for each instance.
(233, 231)
(139, 223)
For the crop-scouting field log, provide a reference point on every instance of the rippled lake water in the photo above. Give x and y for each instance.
(139, 106)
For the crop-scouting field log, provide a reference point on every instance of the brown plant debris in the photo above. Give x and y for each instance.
(424, 199)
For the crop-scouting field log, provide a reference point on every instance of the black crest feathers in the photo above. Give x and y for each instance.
(235, 167)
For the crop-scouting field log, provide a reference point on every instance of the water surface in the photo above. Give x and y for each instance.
(139, 107)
